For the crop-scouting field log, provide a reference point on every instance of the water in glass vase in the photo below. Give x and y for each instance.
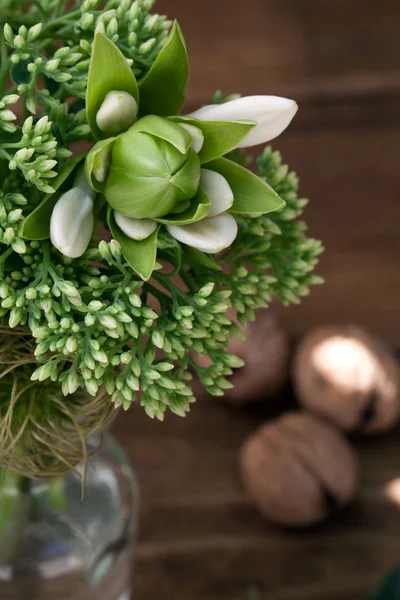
(56, 544)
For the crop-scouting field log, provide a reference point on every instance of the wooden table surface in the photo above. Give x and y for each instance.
(199, 537)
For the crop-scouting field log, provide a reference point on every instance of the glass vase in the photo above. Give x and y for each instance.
(68, 540)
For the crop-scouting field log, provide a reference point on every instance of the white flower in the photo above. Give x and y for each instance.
(72, 220)
(136, 229)
(210, 235)
(219, 229)
(117, 113)
(271, 113)
(197, 136)
(218, 190)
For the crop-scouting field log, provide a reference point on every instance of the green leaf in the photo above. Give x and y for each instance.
(253, 196)
(389, 588)
(99, 158)
(220, 137)
(196, 258)
(141, 255)
(199, 209)
(165, 130)
(162, 90)
(108, 72)
(37, 225)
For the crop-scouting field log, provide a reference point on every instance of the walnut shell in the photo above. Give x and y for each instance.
(349, 377)
(266, 353)
(298, 469)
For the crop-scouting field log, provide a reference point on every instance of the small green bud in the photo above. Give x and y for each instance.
(206, 290)
(7, 115)
(110, 384)
(117, 113)
(147, 46)
(15, 317)
(135, 300)
(115, 248)
(104, 250)
(89, 320)
(4, 290)
(132, 329)
(71, 345)
(95, 305)
(52, 65)
(92, 386)
(34, 32)
(126, 358)
(158, 338)
(100, 356)
(9, 235)
(15, 215)
(8, 33)
(19, 246)
(132, 39)
(108, 322)
(233, 361)
(19, 42)
(72, 382)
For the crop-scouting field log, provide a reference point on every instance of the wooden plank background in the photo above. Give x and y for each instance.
(199, 538)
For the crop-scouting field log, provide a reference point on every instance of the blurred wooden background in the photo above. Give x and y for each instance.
(199, 539)
(341, 61)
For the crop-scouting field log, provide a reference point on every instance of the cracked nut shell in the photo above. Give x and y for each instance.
(298, 470)
(349, 377)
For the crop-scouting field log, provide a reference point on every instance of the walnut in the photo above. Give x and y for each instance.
(266, 353)
(298, 470)
(349, 377)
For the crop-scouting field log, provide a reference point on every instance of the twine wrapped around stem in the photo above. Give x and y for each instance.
(42, 433)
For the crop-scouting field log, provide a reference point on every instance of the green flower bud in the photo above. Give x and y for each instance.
(153, 169)
(117, 113)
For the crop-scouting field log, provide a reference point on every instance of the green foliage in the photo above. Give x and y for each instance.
(271, 258)
(162, 90)
(95, 322)
(35, 58)
(220, 137)
(252, 194)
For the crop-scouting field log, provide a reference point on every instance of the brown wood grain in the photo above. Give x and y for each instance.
(200, 539)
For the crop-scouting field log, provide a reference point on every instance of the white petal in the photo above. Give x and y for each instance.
(72, 223)
(218, 190)
(136, 229)
(271, 113)
(209, 235)
(82, 183)
(117, 113)
(197, 136)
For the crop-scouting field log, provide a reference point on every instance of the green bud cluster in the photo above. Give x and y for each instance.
(11, 216)
(35, 153)
(6, 115)
(127, 22)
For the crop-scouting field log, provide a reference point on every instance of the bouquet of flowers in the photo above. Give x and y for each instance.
(128, 230)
